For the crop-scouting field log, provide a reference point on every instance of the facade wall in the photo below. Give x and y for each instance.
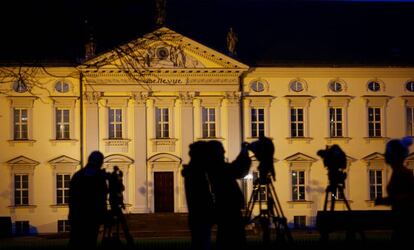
(141, 155)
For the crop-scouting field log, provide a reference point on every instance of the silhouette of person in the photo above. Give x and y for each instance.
(400, 191)
(87, 203)
(199, 197)
(229, 200)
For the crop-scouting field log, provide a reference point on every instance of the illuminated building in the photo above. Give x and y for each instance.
(144, 116)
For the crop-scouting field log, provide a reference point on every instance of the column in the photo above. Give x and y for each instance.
(140, 153)
(233, 125)
(91, 126)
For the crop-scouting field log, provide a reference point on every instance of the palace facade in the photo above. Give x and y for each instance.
(143, 114)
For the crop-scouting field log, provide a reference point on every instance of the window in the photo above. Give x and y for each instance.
(296, 86)
(115, 123)
(62, 124)
(209, 122)
(62, 188)
(297, 122)
(257, 122)
(374, 86)
(21, 189)
(410, 121)
(62, 87)
(299, 222)
(257, 86)
(162, 123)
(20, 124)
(374, 122)
(298, 185)
(63, 226)
(261, 193)
(410, 86)
(22, 227)
(335, 86)
(20, 86)
(335, 122)
(375, 184)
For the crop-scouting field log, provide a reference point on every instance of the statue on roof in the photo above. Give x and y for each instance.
(232, 40)
(161, 12)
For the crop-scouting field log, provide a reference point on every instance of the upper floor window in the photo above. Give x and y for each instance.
(62, 87)
(298, 185)
(162, 123)
(115, 123)
(257, 122)
(297, 126)
(20, 122)
(410, 86)
(335, 122)
(374, 122)
(257, 86)
(20, 86)
(296, 86)
(336, 86)
(374, 86)
(62, 124)
(209, 122)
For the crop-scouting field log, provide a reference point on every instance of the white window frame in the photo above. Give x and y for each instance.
(295, 133)
(255, 121)
(160, 122)
(376, 162)
(18, 124)
(296, 102)
(208, 123)
(20, 189)
(22, 103)
(334, 124)
(63, 103)
(62, 224)
(64, 189)
(379, 187)
(22, 165)
(113, 129)
(298, 184)
(61, 124)
(372, 120)
(376, 101)
(257, 102)
(338, 102)
(300, 162)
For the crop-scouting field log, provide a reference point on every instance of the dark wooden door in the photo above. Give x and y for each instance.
(164, 192)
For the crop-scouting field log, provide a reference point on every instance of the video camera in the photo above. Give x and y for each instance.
(263, 149)
(116, 188)
(335, 160)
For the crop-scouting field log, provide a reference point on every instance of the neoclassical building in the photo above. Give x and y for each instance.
(144, 102)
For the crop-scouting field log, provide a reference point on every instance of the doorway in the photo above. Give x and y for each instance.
(163, 192)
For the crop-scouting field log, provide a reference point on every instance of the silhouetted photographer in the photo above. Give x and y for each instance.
(335, 161)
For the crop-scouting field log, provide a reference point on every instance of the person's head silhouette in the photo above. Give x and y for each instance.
(95, 159)
(215, 151)
(396, 151)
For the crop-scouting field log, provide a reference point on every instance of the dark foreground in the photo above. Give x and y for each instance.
(302, 240)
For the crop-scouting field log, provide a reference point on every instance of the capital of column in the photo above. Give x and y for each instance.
(187, 98)
(92, 97)
(140, 98)
(233, 97)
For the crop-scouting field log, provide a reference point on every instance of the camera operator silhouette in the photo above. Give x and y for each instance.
(229, 200)
(87, 203)
(335, 161)
(400, 191)
(199, 197)
(116, 202)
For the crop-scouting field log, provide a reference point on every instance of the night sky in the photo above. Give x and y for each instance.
(270, 32)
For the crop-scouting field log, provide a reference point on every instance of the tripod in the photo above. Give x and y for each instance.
(331, 191)
(117, 218)
(270, 213)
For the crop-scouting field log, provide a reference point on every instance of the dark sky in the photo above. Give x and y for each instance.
(270, 32)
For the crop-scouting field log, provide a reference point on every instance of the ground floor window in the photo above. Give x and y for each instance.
(21, 227)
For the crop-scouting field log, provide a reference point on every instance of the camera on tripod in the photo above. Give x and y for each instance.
(263, 149)
(116, 189)
(335, 161)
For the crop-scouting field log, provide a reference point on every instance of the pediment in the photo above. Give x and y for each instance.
(118, 159)
(64, 161)
(162, 49)
(300, 157)
(164, 157)
(22, 161)
(374, 157)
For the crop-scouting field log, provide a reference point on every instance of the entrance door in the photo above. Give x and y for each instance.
(164, 192)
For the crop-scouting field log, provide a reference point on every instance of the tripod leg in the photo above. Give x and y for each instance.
(333, 199)
(341, 190)
(125, 229)
(326, 199)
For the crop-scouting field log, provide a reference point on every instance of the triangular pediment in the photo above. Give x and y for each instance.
(373, 157)
(299, 157)
(22, 161)
(118, 159)
(162, 49)
(64, 160)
